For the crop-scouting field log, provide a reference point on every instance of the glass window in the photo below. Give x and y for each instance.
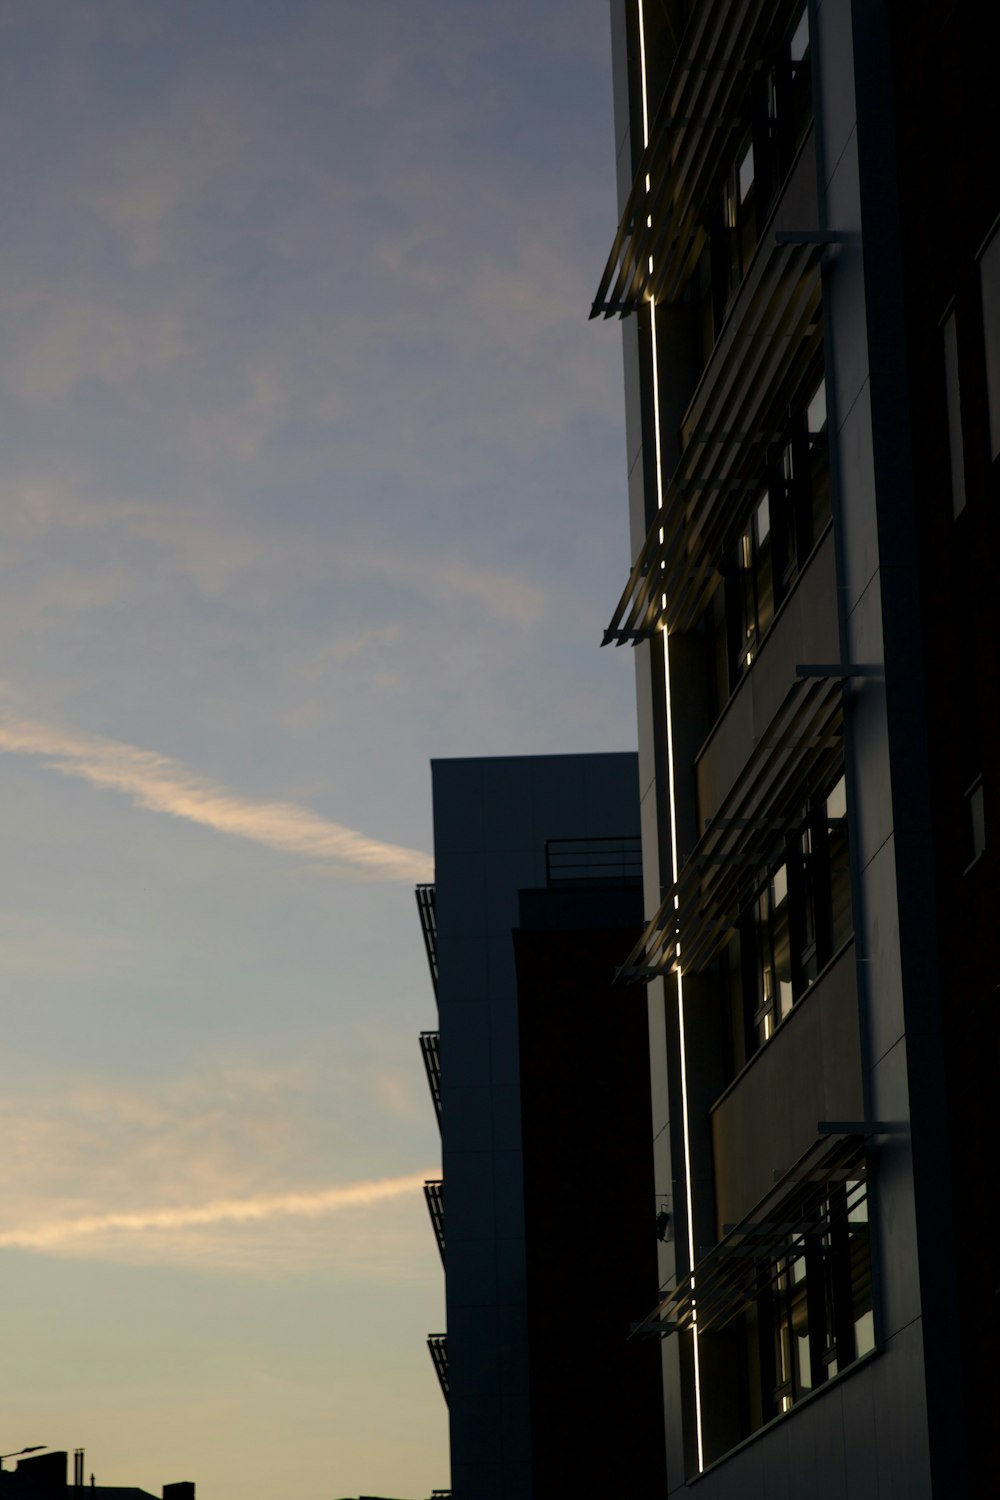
(792, 1361)
(739, 218)
(808, 945)
(792, 1302)
(816, 410)
(989, 275)
(954, 401)
(780, 929)
(839, 864)
(975, 822)
(862, 1312)
(754, 587)
(800, 102)
(789, 516)
(819, 462)
(799, 918)
(748, 211)
(799, 45)
(816, 1295)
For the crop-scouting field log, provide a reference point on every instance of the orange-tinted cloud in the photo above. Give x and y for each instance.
(59, 1232)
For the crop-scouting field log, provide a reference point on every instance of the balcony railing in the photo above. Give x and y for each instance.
(437, 1343)
(427, 908)
(434, 1198)
(430, 1048)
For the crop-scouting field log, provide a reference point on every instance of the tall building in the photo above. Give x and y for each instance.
(546, 1216)
(807, 269)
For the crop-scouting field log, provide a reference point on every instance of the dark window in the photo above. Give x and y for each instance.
(975, 822)
(787, 1304)
(954, 405)
(770, 947)
(737, 230)
(814, 1312)
(753, 587)
(763, 560)
(989, 277)
(776, 117)
(798, 111)
(798, 917)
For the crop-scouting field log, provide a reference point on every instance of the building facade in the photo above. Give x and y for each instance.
(539, 1073)
(807, 269)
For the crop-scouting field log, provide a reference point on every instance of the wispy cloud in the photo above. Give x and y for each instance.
(161, 784)
(229, 1167)
(60, 1232)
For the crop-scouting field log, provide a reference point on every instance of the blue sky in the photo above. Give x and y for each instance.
(313, 469)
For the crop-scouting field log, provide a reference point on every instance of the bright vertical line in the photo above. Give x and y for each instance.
(642, 65)
(673, 806)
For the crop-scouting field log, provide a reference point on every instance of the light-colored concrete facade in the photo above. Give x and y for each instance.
(839, 1048)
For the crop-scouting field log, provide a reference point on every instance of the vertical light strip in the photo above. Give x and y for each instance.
(673, 806)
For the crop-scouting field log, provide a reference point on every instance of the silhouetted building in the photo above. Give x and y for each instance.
(45, 1477)
(546, 1215)
(808, 268)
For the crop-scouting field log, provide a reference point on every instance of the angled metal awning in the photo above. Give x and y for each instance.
(437, 1343)
(430, 1047)
(729, 1278)
(427, 908)
(660, 236)
(767, 358)
(434, 1198)
(802, 745)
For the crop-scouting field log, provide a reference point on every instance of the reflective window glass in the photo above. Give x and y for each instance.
(989, 276)
(954, 403)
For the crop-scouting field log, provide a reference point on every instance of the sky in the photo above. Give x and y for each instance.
(313, 468)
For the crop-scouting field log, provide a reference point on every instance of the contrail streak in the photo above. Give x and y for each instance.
(222, 1211)
(163, 785)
